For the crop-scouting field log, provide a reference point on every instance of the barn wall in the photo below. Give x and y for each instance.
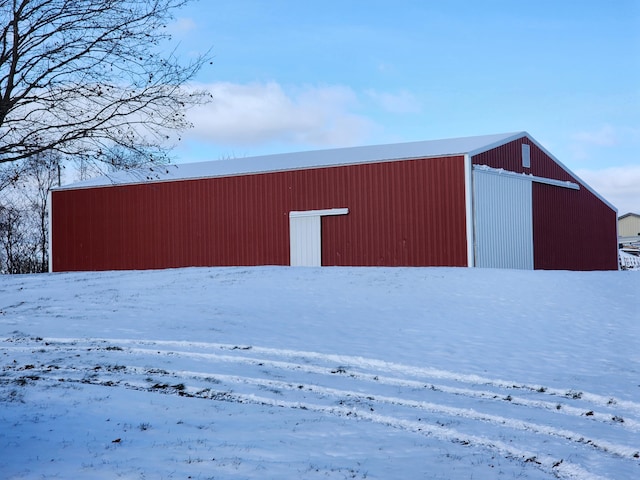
(160, 225)
(400, 213)
(572, 229)
(409, 213)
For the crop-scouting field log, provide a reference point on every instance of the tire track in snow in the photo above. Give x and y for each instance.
(346, 368)
(363, 364)
(559, 468)
(553, 407)
(466, 413)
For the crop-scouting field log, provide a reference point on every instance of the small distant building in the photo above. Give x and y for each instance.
(629, 225)
(499, 201)
(629, 241)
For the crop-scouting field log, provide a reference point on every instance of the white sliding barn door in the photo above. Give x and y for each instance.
(305, 241)
(503, 221)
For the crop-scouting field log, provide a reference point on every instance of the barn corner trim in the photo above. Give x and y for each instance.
(469, 218)
(50, 227)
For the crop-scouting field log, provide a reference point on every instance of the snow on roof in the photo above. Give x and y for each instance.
(301, 160)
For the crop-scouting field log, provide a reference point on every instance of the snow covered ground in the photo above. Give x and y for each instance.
(278, 372)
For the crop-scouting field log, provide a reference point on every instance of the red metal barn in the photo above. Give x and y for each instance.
(490, 201)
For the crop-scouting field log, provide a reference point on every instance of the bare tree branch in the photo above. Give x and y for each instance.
(81, 77)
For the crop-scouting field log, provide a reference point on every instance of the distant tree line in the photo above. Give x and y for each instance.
(24, 214)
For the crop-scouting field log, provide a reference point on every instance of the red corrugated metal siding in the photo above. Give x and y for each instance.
(400, 213)
(162, 225)
(509, 157)
(572, 229)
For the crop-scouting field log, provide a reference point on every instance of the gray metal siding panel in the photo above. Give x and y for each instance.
(503, 221)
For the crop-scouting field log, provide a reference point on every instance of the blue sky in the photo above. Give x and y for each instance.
(305, 75)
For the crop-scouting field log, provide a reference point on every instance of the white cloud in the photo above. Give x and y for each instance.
(606, 136)
(586, 145)
(182, 25)
(250, 114)
(619, 185)
(400, 102)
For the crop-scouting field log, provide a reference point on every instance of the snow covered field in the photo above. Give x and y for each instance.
(279, 372)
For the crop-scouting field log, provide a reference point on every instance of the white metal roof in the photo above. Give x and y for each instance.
(301, 160)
